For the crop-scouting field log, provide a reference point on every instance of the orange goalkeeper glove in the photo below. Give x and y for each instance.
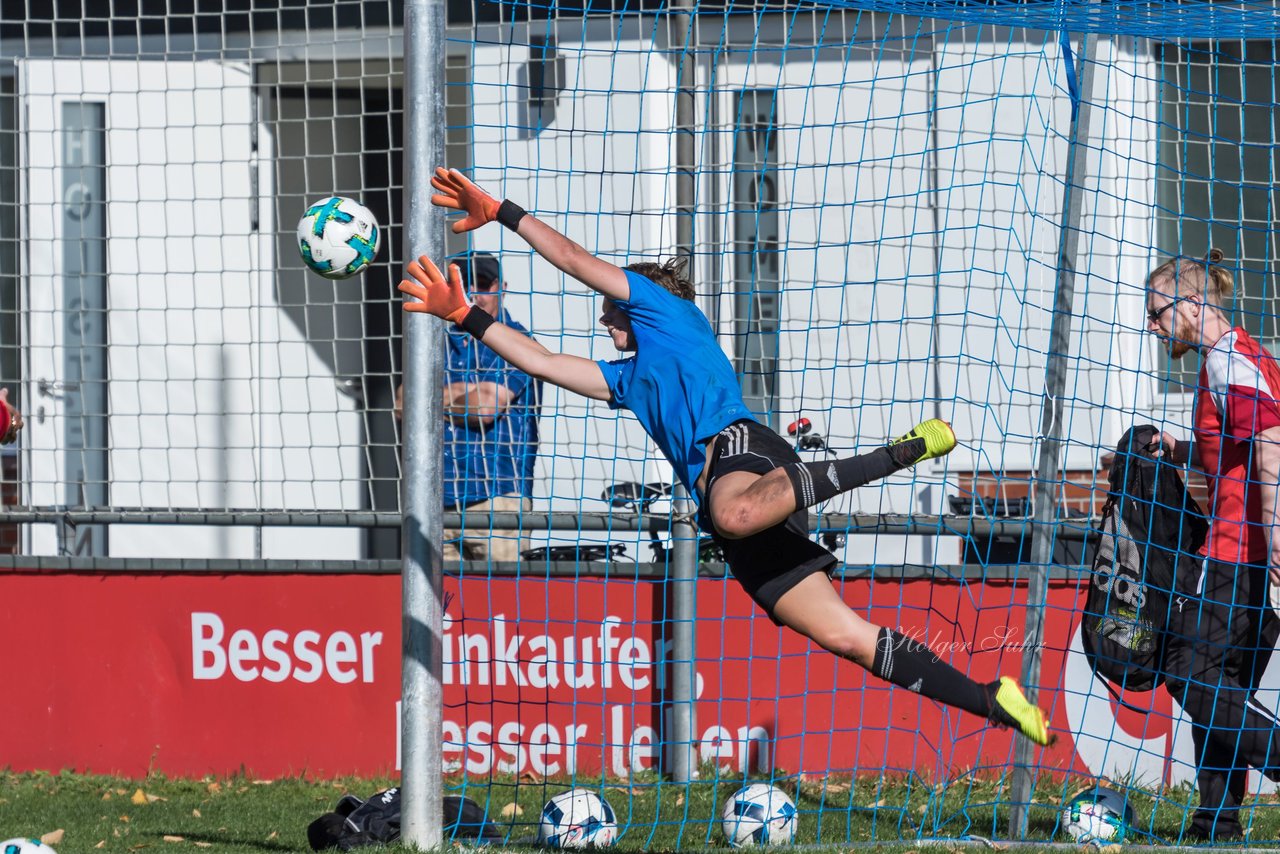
(457, 192)
(442, 298)
(445, 299)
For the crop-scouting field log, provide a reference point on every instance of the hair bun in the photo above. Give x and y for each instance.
(1214, 256)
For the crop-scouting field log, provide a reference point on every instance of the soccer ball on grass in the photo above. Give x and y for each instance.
(1098, 815)
(338, 237)
(25, 846)
(759, 814)
(578, 818)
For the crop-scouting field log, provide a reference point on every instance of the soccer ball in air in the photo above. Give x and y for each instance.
(1097, 815)
(25, 846)
(338, 237)
(759, 814)
(578, 818)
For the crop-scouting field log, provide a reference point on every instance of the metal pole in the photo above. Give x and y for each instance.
(422, 626)
(1046, 491)
(683, 581)
(857, 523)
(683, 586)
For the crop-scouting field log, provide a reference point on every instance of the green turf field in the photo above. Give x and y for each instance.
(241, 814)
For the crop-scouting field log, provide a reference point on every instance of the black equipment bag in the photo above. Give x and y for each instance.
(1145, 563)
(355, 823)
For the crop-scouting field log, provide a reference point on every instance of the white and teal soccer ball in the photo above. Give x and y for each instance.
(578, 818)
(1101, 816)
(338, 237)
(759, 814)
(25, 846)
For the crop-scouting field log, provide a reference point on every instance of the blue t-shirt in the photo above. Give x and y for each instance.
(480, 463)
(679, 383)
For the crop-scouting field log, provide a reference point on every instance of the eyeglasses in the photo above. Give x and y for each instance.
(1153, 316)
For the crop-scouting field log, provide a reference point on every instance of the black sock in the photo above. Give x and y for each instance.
(912, 665)
(905, 453)
(818, 481)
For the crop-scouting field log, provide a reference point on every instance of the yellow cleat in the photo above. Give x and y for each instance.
(927, 440)
(1012, 708)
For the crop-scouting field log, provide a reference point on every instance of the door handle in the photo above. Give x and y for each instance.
(55, 388)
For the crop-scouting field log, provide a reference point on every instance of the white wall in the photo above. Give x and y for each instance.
(216, 398)
(599, 174)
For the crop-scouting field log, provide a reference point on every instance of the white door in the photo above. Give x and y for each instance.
(154, 351)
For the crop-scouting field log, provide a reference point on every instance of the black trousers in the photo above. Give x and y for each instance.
(1217, 649)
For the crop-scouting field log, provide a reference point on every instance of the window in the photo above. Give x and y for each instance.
(1217, 171)
(10, 353)
(457, 135)
(757, 258)
(9, 280)
(546, 71)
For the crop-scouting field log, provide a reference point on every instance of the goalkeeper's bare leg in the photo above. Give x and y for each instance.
(747, 503)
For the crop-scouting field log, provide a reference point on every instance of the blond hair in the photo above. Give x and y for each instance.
(1203, 277)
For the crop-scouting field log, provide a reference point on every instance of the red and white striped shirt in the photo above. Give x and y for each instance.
(1236, 400)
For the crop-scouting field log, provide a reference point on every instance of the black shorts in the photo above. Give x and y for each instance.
(769, 563)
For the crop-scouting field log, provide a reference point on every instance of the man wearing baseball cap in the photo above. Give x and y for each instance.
(491, 428)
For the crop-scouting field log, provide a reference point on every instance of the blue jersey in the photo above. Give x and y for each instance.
(480, 463)
(679, 383)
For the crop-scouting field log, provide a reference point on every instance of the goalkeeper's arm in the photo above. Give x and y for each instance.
(596, 273)
(446, 299)
(457, 192)
(572, 372)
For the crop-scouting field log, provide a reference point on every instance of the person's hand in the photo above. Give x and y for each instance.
(1165, 445)
(15, 420)
(457, 192)
(442, 298)
(1169, 448)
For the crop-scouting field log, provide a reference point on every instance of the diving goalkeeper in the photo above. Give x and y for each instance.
(753, 490)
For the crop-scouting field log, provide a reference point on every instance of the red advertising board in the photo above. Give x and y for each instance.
(194, 674)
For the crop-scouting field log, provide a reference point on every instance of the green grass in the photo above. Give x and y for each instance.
(240, 814)
(236, 814)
